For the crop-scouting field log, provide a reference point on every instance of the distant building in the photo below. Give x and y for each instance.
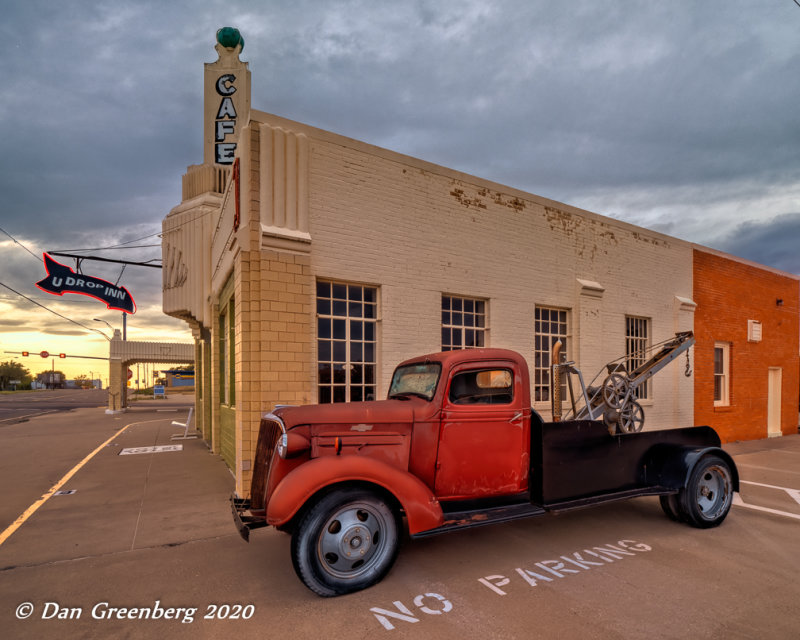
(178, 378)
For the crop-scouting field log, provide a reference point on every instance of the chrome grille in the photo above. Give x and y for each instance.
(268, 435)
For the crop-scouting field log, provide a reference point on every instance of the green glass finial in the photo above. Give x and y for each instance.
(229, 37)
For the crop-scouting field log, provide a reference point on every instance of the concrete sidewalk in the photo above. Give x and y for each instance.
(122, 502)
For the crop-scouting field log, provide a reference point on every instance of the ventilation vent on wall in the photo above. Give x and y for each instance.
(753, 331)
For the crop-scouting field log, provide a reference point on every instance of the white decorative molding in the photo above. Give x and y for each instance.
(283, 189)
(685, 304)
(590, 288)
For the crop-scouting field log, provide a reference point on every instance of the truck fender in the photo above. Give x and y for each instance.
(421, 507)
(671, 465)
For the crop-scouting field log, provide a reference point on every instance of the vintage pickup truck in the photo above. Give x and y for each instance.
(456, 445)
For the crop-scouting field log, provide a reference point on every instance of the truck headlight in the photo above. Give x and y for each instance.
(283, 445)
(292, 444)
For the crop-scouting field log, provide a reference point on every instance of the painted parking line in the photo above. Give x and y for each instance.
(50, 492)
(792, 493)
(742, 465)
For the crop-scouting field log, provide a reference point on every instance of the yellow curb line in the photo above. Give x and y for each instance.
(46, 496)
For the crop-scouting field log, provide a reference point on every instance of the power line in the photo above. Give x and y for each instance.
(5, 297)
(21, 245)
(146, 263)
(136, 246)
(55, 312)
(121, 245)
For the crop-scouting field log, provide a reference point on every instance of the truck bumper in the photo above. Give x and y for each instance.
(244, 523)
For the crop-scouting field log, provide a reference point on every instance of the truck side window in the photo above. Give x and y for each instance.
(485, 386)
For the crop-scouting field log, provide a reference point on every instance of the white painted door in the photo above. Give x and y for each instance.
(774, 402)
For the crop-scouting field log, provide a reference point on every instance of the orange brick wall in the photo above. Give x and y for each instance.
(728, 294)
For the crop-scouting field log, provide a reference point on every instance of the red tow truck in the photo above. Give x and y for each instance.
(455, 445)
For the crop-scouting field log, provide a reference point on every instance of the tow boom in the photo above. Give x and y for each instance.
(615, 399)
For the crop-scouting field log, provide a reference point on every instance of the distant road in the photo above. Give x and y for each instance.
(17, 407)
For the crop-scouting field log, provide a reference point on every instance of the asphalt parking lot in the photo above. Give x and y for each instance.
(145, 547)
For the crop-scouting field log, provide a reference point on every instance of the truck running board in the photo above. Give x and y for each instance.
(580, 503)
(480, 517)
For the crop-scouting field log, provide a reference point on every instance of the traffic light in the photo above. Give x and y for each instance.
(26, 353)
(62, 355)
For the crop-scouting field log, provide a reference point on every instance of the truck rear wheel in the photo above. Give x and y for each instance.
(708, 496)
(346, 542)
(671, 507)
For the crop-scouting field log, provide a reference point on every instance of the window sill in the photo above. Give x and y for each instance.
(723, 408)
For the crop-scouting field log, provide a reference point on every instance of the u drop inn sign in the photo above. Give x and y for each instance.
(62, 279)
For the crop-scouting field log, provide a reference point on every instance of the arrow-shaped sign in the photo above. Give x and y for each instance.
(61, 279)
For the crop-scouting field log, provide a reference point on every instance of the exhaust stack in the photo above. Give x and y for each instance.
(555, 380)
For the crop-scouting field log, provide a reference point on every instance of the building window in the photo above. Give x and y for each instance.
(550, 325)
(346, 342)
(637, 337)
(722, 377)
(463, 323)
(227, 368)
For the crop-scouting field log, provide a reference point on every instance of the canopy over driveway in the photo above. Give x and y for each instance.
(124, 353)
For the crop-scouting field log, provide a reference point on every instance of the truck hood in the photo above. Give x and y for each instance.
(360, 416)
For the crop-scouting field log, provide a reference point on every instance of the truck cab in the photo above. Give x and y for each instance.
(456, 444)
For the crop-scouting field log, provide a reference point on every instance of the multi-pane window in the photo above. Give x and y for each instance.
(636, 345)
(346, 342)
(550, 325)
(463, 323)
(721, 374)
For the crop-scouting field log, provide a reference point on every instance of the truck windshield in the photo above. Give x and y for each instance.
(415, 380)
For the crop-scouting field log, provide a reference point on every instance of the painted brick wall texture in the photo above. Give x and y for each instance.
(417, 231)
(728, 294)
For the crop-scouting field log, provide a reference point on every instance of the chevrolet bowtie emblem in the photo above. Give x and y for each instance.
(361, 427)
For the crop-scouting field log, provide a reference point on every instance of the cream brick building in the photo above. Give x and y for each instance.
(313, 263)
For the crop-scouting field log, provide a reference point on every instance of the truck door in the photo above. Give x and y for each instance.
(484, 434)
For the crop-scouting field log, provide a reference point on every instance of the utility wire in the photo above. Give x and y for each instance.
(21, 245)
(7, 297)
(55, 312)
(136, 246)
(116, 284)
(121, 245)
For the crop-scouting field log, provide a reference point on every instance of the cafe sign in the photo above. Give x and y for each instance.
(227, 98)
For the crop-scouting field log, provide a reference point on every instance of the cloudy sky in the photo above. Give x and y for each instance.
(680, 116)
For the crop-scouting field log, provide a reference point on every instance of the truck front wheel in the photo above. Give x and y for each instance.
(707, 498)
(346, 542)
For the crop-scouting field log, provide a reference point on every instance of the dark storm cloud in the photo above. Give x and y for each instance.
(556, 97)
(655, 113)
(774, 242)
